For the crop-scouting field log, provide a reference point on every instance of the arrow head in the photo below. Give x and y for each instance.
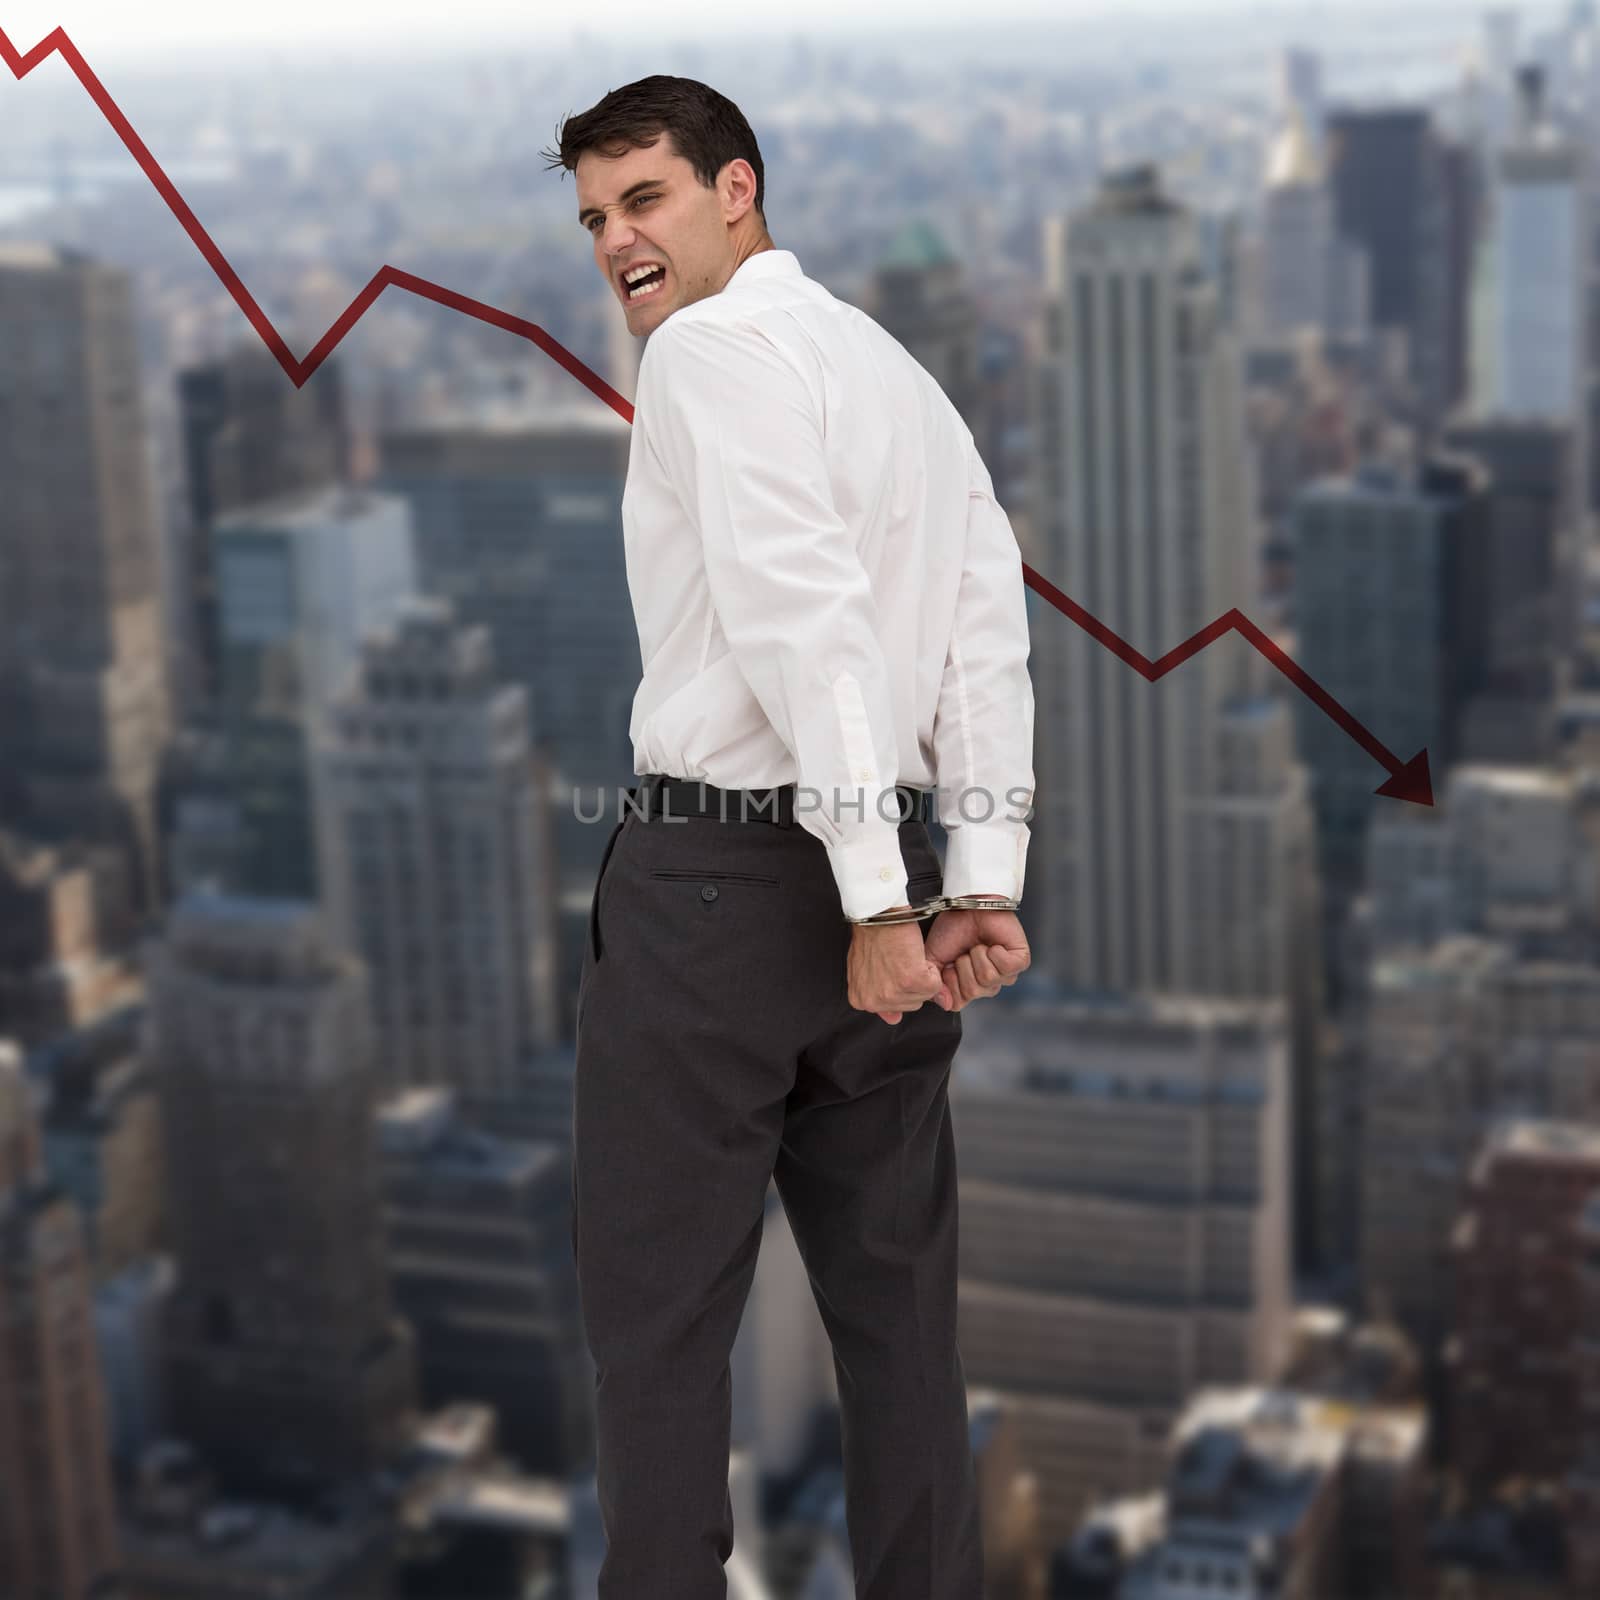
(1411, 782)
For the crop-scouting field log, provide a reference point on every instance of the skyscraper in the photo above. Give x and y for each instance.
(1391, 567)
(1177, 801)
(1181, 855)
(83, 678)
(1311, 275)
(1517, 1368)
(439, 873)
(519, 523)
(1396, 195)
(1532, 360)
(1530, 589)
(248, 435)
(301, 580)
(1299, 91)
(287, 1361)
(57, 1516)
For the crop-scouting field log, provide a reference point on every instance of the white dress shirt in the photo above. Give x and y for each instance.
(826, 590)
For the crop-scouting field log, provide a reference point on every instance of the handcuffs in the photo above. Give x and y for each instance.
(940, 902)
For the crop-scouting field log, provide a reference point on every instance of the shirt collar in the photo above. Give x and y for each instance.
(772, 263)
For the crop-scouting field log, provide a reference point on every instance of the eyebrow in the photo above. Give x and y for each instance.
(627, 194)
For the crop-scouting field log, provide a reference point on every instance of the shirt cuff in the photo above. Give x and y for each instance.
(986, 858)
(870, 872)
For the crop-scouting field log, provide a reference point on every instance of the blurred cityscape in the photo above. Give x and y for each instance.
(1279, 1169)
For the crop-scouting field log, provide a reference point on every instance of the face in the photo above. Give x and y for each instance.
(647, 206)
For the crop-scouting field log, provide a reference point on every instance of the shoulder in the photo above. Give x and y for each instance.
(707, 340)
(719, 322)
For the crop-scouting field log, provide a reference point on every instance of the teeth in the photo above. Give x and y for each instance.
(633, 274)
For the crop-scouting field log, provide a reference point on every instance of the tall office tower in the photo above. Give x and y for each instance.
(1125, 1230)
(287, 1361)
(1311, 276)
(58, 1538)
(1299, 92)
(521, 527)
(1456, 1036)
(1392, 195)
(1532, 360)
(437, 873)
(83, 678)
(481, 1264)
(1533, 575)
(1178, 821)
(300, 582)
(1515, 1363)
(1390, 574)
(1297, 233)
(1496, 63)
(248, 435)
(920, 294)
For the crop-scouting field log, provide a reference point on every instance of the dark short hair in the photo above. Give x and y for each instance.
(708, 130)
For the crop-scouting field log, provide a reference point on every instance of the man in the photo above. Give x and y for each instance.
(829, 600)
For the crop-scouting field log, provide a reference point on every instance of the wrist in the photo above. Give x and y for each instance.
(887, 910)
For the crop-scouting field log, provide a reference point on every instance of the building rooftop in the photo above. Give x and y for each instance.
(1545, 1136)
(918, 246)
(420, 1125)
(1293, 158)
(1248, 1467)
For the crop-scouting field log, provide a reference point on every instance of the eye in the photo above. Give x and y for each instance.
(638, 200)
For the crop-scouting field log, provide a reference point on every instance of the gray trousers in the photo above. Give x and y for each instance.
(717, 1050)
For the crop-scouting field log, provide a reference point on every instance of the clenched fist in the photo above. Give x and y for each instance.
(976, 952)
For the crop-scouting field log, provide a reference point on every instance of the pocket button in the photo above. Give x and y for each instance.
(708, 891)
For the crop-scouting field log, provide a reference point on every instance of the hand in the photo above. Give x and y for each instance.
(887, 970)
(977, 952)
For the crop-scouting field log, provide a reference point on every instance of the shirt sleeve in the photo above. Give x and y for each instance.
(737, 431)
(983, 728)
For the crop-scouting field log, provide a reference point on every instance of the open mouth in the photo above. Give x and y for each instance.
(643, 288)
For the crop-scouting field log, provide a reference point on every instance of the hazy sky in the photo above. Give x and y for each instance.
(121, 24)
(161, 27)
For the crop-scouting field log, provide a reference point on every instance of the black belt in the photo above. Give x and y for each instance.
(690, 797)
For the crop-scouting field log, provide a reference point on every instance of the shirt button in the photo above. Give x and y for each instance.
(886, 873)
(708, 891)
(865, 774)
